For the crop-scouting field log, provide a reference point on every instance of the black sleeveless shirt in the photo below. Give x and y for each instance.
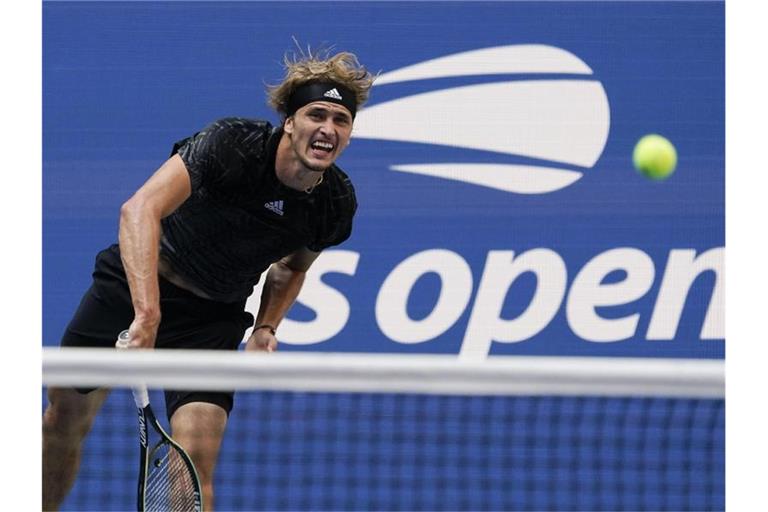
(240, 218)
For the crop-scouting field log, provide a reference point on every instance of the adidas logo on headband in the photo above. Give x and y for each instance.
(333, 93)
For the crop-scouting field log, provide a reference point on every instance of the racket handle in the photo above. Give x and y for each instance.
(123, 339)
(140, 393)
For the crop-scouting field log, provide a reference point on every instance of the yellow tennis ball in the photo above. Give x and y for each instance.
(655, 157)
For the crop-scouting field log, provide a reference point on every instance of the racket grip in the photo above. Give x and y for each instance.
(140, 393)
(123, 339)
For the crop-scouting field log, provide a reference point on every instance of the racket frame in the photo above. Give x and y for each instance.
(146, 418)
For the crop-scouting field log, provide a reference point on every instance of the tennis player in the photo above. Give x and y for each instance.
(233, 200)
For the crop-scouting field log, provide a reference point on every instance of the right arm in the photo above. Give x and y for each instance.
(140, 231)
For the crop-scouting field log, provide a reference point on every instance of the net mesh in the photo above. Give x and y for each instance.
(289, 450)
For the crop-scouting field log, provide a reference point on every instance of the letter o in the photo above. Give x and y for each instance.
(455, 292)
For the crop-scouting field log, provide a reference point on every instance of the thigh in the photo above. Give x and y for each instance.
(191, 322)
(106, 307)
(95, 325)
(222, 334)
(104, 311)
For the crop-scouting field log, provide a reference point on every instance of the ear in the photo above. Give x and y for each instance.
(288, 125)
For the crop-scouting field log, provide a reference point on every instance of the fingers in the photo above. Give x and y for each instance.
(262, 342)
(142, 335)
(261, 347)
(271, 344)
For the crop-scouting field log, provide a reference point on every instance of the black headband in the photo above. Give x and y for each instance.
(321, 91)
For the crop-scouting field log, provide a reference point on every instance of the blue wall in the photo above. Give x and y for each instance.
(122, 81)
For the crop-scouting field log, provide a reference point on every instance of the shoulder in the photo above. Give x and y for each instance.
(240, 125)
(242, 132)
(224, 151)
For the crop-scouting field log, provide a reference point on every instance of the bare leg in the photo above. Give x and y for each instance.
(199, 428)
(66, 422)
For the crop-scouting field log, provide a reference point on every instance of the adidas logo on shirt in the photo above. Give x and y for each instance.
(333, 93)
(275, 207)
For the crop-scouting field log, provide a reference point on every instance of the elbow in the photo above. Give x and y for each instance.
(136, 202)
(129, 210)
(136, 210)
(288, 267)
(284, 273)
(140, 205)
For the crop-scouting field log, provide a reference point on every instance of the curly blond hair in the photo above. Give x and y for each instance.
(342, 68)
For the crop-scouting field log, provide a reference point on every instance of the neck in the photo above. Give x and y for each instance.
(291, 171)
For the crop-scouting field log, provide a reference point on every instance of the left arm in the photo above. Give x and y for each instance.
(281, 287)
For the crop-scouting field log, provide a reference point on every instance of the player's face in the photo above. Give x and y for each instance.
(319, 132)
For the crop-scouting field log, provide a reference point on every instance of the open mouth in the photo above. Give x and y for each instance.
(322, 146)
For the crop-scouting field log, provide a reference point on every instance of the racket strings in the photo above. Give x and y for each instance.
(170, 484)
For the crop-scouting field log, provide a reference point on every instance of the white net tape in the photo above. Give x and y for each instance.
(433, 374)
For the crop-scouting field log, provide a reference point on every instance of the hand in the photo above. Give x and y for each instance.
(143, 333)
(261, 340)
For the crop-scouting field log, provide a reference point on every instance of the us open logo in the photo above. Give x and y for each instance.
(561, 121)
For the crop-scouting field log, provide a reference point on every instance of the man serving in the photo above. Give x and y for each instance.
(234, 199)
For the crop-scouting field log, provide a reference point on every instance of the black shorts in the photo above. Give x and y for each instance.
(188, 321)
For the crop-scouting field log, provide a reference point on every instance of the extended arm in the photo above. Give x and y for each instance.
(281, 287)
(140, 219)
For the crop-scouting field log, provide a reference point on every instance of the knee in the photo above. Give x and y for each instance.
(204, 467)
(67, 416)
(205, 464)
(207, 490)
(205, 476)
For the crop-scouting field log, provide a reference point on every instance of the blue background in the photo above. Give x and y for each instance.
(122, 81)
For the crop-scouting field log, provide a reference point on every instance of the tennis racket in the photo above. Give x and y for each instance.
(168, 480)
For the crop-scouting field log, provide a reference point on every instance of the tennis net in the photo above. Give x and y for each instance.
(383, 432)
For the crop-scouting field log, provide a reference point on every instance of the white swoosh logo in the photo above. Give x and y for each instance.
(560, 121)
(513, 59)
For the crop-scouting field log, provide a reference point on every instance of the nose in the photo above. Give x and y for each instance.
(326, 128)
